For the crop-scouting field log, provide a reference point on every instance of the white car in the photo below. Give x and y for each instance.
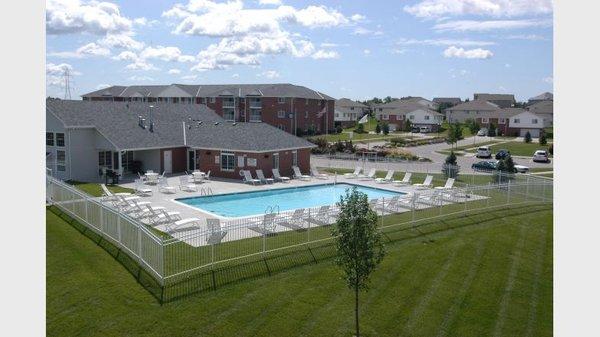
(521, 168)
(541, 155)
(482, 132)
(483, 152)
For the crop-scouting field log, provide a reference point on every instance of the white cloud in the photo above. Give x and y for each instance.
(90, 49)
(496, 8)
(358, 18)
(398, 51)
(530, 37)
(165, 54)
(126, 56)
(102, 86)
(480, 26)
(270, 2)
(367, 52)
(55, 73)
(444, 42)
(477, 53)
(361, 31)
(137, 78)
(139, 64)
(549, 80)
(174, 71)
(121, 41)
(271, 74)
(454, 73)
(94, 17)
(189, 77)
(325, 54)
(507, 65)
(236, 75)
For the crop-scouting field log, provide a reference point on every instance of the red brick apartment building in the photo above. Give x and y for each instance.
(289, 107)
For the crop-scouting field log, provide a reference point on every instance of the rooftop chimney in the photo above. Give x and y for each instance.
(142, 122)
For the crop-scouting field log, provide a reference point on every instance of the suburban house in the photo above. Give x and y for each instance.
(546, 96)
(347, 111)
(289, 107)
(447, 101)
(420, 100)
(524, 122)
(396, 113)
(86, 138)
(501, 100)
(499, 118)
(471, 110)
(544, 109)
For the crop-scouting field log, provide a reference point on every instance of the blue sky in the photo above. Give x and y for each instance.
(355, 49)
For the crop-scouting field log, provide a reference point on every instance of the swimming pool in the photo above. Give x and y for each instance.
(254, 203)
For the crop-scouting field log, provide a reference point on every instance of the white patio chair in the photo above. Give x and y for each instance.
(405, 180)
(157, 216)
(354, 174)
(295, 220)
(321, 218)
(207, 176)
(261, 176)
(109, 196)
(267, 226)
(449, 185)
(426, 183)
(369, 176)
(315, 173)
(299, 175)
(185, 185)
(388, 177)
(215, 232)
(163, 186)
(140, 189)
(131, 206)
(174, 224)
(279, 177)
(248, 178)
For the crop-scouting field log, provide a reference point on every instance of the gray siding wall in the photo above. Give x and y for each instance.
(84, 155)
(54, 125)
(150, 159)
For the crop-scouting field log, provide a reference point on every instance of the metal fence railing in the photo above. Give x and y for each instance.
(185, 256)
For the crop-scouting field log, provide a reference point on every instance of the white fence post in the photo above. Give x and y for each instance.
(489, 188)
(308, 230)
(508, 193)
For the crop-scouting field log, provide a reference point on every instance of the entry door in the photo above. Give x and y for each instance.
(191, 160)
(276, 160)
(168, 161)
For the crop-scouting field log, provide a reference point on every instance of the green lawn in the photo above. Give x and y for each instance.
(95, 190)
(357, 137)
(478, 275)
(521, 148)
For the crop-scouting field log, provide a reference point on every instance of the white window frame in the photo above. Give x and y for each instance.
(517, 120)
(232, 115)
(53, 139)
(254, 113)
(426, 117)
(281, 100)
(385, 117)
(295, 158)
(61, 165)
(484, 120)
(281, 114)
(501, 121)
(411, 117)
(534, 121)
(211, 100)
(230, 156)
(56, 139)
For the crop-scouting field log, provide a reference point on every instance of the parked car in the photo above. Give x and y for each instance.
(482, 132)
(415, 129)
(486, 165)
(502, 154)
(484, 152)
(541, 156)
(424, 129)
(521, 168)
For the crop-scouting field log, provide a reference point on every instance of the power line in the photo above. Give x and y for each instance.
(66, 76)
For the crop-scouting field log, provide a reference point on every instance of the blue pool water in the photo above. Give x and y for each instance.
(253, 203)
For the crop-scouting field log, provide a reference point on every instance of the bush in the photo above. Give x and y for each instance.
(551, 149)
(299, 132)
(338, 129)
(407, 125)
(492, 130)
(378, 128)
(398, 141)
(386, 128)
(472, 125)
(360, 128)
(543, 140)
(311, 131)
(450, 168)
(528, 137)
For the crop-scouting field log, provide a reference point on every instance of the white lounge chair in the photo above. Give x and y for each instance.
(369, 176)
(176, 224)
(248, 178)
(299, 175)
(405, 180)
(426, 183)
(163, 186)
(354, 174)
(449, 185)
(140, 189)
(267, 226)
(261, 176)
(185, 185)
(214, 232)
(207, 176)
(131, 206)
(109, 196)
(279, 177)
(388, 177)
(295, 221)
(321, 218)
(156, 215)
(315, 173)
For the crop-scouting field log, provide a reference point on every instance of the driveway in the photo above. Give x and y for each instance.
(429, 151)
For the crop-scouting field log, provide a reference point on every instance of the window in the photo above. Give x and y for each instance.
(203, 100)
(385, 117)
(534, 121)
(255, 103)
(305, 114)
(294, 158)
(60, 160)
(501, 121)
(411, 117)
(105, 159)
(281, 127)
(227, 161)
(228, 102)
(255, 115)
(127, 161)
(60, 139)
(352, 108)
(280, 114)
(280, 100)
(484, 120)
(517, 121)
(426, 117)
(49, 139)
(211, 100)
(228, 114)
(306, 101)
(380, 109)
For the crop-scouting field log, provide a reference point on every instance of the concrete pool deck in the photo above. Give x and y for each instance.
(222, 186)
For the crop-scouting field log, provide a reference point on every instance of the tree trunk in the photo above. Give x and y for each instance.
(356, 309)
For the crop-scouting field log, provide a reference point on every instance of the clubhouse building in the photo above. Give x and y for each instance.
(84, 139)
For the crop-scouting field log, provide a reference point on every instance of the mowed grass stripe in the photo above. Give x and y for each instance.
(462, 292)
(534, 300)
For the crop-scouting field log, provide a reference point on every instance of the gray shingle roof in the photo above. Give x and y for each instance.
(542, 97)
(543, 107)
(494, 97)
(213, 90)
(479, 105)
(118, 122)
(451, 100)
(348, 103)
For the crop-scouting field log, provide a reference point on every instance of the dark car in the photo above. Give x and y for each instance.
(485, 165)
(415, 129)
(502, 154)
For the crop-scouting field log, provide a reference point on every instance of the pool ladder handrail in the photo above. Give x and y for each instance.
(206, 191)
(271, 209)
